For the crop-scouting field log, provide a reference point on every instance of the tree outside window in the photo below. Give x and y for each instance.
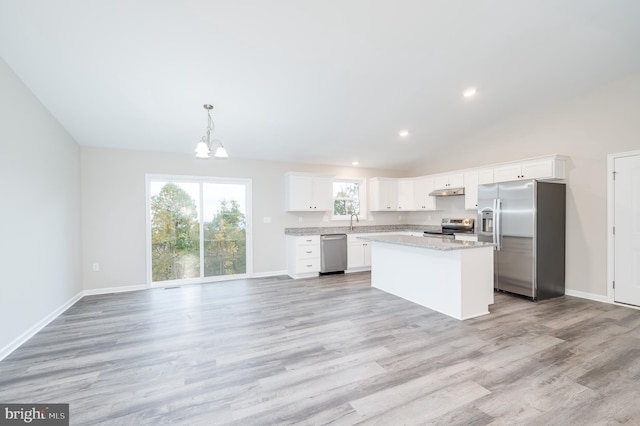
(346, 198)
(176, 240)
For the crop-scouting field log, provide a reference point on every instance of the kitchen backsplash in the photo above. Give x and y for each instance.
(446, 207)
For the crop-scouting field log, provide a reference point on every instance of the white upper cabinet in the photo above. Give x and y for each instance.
(390, 194)
(507, 173)
(544, 168)
(455, 180)
(383, 194)
(422, 187)
(308, 192)
(406, 194)
(471, 181)
(485, 176)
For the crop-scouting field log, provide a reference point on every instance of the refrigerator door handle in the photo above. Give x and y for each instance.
(498, 232)
(495, 223)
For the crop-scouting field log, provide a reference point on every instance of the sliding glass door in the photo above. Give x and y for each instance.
(198, 229)
(225, 230)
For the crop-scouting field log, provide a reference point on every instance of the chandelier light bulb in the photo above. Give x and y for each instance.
(203, 149)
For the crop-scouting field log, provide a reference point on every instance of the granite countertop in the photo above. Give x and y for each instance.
(364, 229)
(427, 242)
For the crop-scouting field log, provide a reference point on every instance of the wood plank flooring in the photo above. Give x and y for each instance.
(328, 350)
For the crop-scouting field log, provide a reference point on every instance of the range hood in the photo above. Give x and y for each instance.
(447, 192)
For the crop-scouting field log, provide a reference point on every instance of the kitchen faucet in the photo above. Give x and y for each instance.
(351, 221)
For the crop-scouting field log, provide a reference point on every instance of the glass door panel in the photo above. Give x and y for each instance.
(175, 230)
(224, 229)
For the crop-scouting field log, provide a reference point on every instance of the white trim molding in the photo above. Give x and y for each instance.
(109, 290)
(585, 295)
(24, 337)
(611, 222)
(32, 331)
(268, 274)
(200, 180)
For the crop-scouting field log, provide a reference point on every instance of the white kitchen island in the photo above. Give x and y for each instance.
(451, 277)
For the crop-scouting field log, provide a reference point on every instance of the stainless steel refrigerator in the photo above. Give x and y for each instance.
(526, 221)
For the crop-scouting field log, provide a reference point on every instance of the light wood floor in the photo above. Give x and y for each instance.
(328, 350)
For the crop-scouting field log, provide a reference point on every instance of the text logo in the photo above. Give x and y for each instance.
(34, 414)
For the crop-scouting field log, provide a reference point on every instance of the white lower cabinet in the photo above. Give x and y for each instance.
(358, 252)
(303, 256)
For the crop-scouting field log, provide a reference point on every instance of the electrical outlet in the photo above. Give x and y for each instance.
(266, 219)
(96, 267)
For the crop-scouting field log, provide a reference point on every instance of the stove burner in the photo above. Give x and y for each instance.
(449, 227)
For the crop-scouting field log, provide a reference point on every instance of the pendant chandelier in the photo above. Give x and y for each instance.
(203, 150)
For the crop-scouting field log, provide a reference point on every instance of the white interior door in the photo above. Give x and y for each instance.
(627, 226)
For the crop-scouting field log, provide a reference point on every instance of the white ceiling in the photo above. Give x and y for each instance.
(318, 81)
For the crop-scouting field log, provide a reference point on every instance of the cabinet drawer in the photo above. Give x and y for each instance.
(307, 251)
(308, 265)
(309, 239)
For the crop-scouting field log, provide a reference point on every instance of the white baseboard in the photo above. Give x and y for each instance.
(361, 269)
(18, 341)
(584, 295)
(108, 290)
(268, 274)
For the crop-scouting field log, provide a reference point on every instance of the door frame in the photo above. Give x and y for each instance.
(610, 222)
(247, 182)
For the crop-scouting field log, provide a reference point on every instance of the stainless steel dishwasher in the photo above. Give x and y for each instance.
(333, 253)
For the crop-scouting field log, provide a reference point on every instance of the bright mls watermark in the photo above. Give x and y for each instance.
(34, 414)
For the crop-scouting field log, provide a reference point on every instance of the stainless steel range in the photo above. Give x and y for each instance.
(448, 227)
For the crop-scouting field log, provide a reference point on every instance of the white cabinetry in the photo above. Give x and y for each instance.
(383, 194)
(358, 252)
(406, 194)
(471, 181)
(303, 256)
(308, 192)
(390, 194)
(544, 168)
(448, 181)
(422, 187)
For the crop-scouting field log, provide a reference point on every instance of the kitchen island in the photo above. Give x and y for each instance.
(451, 277)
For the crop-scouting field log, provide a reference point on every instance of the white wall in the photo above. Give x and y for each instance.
(39, 218)
(588, 128)
(113, 208)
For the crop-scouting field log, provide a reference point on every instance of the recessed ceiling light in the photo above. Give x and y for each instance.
(469, 93)
(404, 133)
(355, 163)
